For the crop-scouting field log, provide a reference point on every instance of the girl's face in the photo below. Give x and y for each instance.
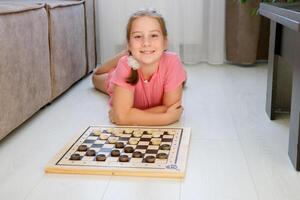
(146, 42)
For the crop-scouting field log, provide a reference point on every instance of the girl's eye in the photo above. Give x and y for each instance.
(137, 36)
(154, 35)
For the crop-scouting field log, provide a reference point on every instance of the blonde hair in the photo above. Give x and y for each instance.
(133, 78)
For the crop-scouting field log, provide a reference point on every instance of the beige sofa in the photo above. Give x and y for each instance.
(44, 50)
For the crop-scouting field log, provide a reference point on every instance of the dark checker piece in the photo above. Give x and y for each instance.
(82, 147)
(137, 154)
(75, 156)
(90, 152)
(162, 156)
(123, 158)
(128, 149)
(119, 145)
(165, 147)
(115, 153)
(150, 159)
(100, 157)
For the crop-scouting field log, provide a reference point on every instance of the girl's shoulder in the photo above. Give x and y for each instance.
(122, 69)
(169, 55)
(124, 60)
(170, 60)
(123, 63)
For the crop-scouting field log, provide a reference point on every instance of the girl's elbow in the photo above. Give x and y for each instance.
(121, 119)
(94, 79)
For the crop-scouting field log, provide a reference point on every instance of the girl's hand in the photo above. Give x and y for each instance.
(174, 112)
(175, 106)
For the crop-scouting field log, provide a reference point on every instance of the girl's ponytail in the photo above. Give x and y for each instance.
(133, 78)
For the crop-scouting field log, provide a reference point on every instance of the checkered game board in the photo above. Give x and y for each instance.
(154, 151)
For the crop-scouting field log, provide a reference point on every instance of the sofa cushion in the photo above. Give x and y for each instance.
(89, 10)
(67, 44)
(25, 84)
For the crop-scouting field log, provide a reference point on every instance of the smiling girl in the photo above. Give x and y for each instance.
(145, 83)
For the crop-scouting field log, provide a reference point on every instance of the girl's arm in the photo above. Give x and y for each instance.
(123, 113)
(157, 109)
(169, 99)
(111, 63)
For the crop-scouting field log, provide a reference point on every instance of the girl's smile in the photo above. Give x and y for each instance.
(147, 52)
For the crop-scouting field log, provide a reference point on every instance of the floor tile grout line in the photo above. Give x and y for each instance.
(106, 188)
(243, 152)
(35, 186)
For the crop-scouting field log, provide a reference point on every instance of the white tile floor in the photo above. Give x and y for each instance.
(236, 152)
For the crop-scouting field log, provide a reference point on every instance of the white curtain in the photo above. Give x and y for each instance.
(195, 27)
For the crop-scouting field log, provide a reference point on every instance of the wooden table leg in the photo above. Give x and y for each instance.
(294, 140)
(274, 48)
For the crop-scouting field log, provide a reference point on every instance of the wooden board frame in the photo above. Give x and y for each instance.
(174, 168)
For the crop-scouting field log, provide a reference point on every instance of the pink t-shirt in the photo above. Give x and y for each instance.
(169, 75)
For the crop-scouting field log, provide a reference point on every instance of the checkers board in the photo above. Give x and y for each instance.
(154, 152)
